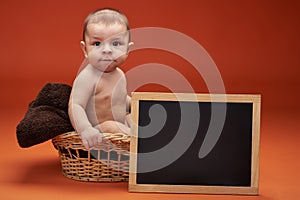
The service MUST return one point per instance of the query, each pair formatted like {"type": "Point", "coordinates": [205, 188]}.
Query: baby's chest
{"type": "Point", "coordinates": [111, 86]}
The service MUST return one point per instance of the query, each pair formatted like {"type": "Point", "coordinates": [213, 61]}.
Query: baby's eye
{"type": "Point", "coordinates": [116, 43]}
{"type": "Point", "coordinates": [96, 43]}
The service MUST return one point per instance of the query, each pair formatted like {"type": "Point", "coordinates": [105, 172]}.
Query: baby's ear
{"type": "Point", "coordinates": [83, 47]}
{"type": "Point", "coordinates": [130, 44]}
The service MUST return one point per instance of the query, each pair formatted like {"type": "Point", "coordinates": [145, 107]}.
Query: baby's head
{"type": "Point", "coordinates": [107, 16]}
{"type": "Point", "coordinates": [106, 39]}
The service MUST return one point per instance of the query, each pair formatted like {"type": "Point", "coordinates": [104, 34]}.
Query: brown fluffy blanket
{"type": "Point", "coordinates": [46, 117]}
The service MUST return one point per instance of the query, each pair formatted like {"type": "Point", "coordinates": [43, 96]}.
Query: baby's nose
{"type": "Point", "coordinates": [106, 48]}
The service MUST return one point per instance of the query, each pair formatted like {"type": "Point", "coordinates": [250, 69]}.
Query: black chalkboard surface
{"type": "Point", "coordinates": [173, 131]}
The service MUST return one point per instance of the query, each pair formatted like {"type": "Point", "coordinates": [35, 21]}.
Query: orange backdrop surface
{"type": "Point", "coordinates": [254, 43]}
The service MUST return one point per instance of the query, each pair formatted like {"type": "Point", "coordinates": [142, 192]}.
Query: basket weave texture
{"type": "Point", "coordinates": [108, 162]}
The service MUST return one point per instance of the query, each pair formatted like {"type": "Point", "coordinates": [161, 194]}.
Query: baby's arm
{"type": "Point", "coordinates": [128, 104]}
{"type": "Point", "coordinates": [128, 121]}
{"type": "Point", "coordinates": [83, 89]}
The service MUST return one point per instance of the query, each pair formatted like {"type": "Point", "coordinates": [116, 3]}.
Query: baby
{"type": "Point", "coordinates": [99, 102]}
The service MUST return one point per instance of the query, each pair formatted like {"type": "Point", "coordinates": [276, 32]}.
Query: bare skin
{"type": "Point", "coordinates": [99, 97]}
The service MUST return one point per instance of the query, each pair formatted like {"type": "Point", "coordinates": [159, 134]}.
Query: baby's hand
{"type": "Point", "coordinates": [91, 137]}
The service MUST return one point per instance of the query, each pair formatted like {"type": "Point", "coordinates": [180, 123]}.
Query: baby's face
{"type": "Point", "coordinates": [106, 46]}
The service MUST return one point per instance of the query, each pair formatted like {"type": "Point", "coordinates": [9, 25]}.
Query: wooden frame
{"type": "Point", "coordinates": [252, 189]}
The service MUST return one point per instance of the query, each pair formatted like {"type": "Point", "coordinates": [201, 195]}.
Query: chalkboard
{"type": "Point", "coordinates": [195, 143]}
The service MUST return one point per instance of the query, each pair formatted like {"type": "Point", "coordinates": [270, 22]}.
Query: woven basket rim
{"type": "Point", "coordinates": [73, 139]}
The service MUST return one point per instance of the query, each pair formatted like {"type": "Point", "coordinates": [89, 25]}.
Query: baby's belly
{"type": "Point", "coordinates": [105, 109]}
{"type": "Point", "coordinates": [116, 113]}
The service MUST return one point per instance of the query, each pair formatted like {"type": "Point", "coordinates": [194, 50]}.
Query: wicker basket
{"type": "Point", "coordinates": [108, 163]}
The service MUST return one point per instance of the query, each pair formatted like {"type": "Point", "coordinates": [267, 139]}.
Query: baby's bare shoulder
{"type": "Point", "coordinates": [88, 74]}
{"type": "Point", "coordinates": [86, 80]}
{"type": "Point", "coordinates": [120, 71]}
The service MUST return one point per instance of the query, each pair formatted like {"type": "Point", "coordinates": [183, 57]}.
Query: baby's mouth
{"type": "Point", "coordinates": [106, 60]}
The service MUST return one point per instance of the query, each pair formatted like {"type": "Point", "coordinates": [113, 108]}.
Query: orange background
{"type": "Point", "coordinates": [254, 43]}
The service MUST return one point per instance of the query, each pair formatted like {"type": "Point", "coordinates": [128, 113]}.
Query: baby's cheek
{"type": "Point", "coordinates": [120, 52]}
{"type": "Point", "coordinates": [121, 58]}
{"type": "Point", "coordinates": [93, 58]}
